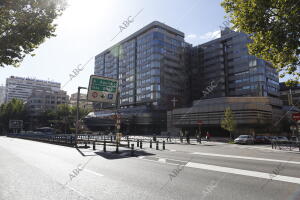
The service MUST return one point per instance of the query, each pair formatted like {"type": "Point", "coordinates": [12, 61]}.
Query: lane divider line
{"type": "Point", "coordinates": [92, 172]}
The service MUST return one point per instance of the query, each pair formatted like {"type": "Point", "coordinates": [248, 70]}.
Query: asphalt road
{"type": "Point", "coordinates": [33, 170]}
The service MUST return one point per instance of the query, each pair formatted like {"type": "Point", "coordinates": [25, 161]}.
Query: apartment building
{"type": "Point", "coordinates": [21, 88]}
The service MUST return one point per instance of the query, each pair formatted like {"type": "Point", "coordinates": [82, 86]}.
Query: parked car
{"type": "Point", "coordinates": [282, 139]}
{"type": "Point", "coordinates": [244, 139]}
{"type": "Point", "coordinates": [294, 139]}
{"type": "Point", "coordinates": [260, 139]}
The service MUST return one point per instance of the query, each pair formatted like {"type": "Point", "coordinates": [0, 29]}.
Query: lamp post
{"type": "Point", "coordinates": [77, 113]}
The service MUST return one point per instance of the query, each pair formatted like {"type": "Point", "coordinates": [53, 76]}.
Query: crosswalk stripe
{"type": "Point", "coordinates": [247, 158]}
{"type": "Point", "coordinates": [243, 172]}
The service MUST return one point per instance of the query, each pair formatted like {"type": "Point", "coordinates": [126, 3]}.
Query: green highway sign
{"type": "Point", "coordinates": [102, 89]}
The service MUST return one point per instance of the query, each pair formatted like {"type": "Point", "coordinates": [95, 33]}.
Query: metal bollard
{"type": "Point", "coordinates": [141, 144]}
{"type": "Point", "coordinates": [157, 148]}
{"type": "Point", "coordinates": [110, 138]}
{"type": "Point", "coordinates": [138, 143]}
{"type": "Point", "coordinates": [151, 144]}
{"type": "Point", "coordinates": [132, 149]}
{"type": "Point", "coordinates": [94, 145]}
{"type": "Point", "coordinates": [164, 145]}
{"type": "Point", "coordinates": [117, 147]}
{"type": "Point", "coordinates": [128, 144]}
{"type": "Point", "coordinates": [104, 146]}
{"type": "Point", "coordinates": [85, 145]}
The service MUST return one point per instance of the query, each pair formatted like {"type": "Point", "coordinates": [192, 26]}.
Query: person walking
{"type": "Point", "coordinates": [181, 136]}
{"type": "Point", "coordinates": [207, 136]}
{"type": "Point", "coordinates": [187, 137]}
{"type": "Point", "coordinates": [169, 136]}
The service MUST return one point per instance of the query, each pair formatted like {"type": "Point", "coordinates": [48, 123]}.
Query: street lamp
{"type": "Point", "coordinates": [77, 113]}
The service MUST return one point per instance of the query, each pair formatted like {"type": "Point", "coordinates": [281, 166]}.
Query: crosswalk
{"type": "Point", "coordinates": [228, 170]}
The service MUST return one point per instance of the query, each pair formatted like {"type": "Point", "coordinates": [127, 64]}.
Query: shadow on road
{"type": "Point", "coordinates": [123, 154]}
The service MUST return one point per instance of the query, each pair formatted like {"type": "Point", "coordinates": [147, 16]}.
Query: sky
{"type": "Point", "coordinates": [88, 27]}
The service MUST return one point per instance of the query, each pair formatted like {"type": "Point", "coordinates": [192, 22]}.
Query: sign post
{"type": "Point", "coordinates": [105, 90]}
{"type": "Point", "coordinates": [16, 125]}
{"type": "Point", "coordinates": [102, 89]}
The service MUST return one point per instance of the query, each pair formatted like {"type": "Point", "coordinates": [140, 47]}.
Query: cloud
{"type": "Point", "coordinates": [210, 35]}
{"type": "Point", "coordinates": [191, 36]}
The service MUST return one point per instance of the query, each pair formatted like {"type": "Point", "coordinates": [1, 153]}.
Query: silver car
{"type": "Point", "coordinates": [244, 139]}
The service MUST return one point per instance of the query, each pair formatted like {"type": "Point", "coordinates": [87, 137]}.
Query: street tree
{"type": "Point", "coordinates": [24, 25]}
{"type": "Point", "coordinates": [274, 28]}
{"type": "Point", "coordinates": [228, 123]}
{"type": "Point", "coordinates": [13, 110]}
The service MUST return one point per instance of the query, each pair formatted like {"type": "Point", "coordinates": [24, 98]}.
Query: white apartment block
{"type": "Point", "coordinates": [21, 88]}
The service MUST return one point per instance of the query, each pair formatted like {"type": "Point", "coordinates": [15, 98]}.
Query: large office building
{"type": "Point", "coordinates": [151, 70]}
{"type": "Point", "coordinates": [225, 65]}
{"type": "Point", "coordinates": [223, 74]}
{"type": "Point", "coordinates": [21, 88]}
{"type": "Point", "coordinates": [163, 80]}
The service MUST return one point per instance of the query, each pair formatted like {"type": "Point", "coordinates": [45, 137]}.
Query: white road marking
{"type": "Point", "coordinates": [172, 150]}
{"type": "Point", "coordinates": [79, 193]}
{"type": "Point", "coordinates": [246, 158]}
{"type": "Point", "coordinates": [243, 172]}
{"type": "Point", "coordinates": [92, 172]}
{"type": "Point", "coordinates": [163, 160]}
{"type": "Point", "coordinates": [141, 157]}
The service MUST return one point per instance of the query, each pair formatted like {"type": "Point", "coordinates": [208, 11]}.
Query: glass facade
{"type": "Point", "coordinates": [226, 60]}
{"type": "Point", "coordinates": [144, 63]}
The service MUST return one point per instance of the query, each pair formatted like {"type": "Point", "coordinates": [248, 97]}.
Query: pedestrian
{"type": "Point", "coordinates": [200, 137]}
{"type": "Point", "coordinates": [181, 135]}
{"type": "Point", "coordinates": [207, 136]}
{"type": "Point", "coordinates": [169, 136]}
{"type": "Point", "coordinates": [154, 138]}
{"type": "Point", "coordinates": [187, 137]}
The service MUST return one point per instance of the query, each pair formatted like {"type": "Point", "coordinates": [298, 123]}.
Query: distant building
{"type": "Point", "coordinates": [290, 95]}
{"type": "Point", "coordinates": [42, 99]}
{"type": "Point", "coordinates": [2, 94]}
{"type": "Point", "coordinates": [21, 88]}
{"type": "Point", "coordinates": [83, 103]}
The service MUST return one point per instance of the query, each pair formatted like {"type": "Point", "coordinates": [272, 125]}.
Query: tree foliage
{"type": "Point", "coordinates": [273, 26]}
{"type": "Point", "coordinates": [63, 118]}
{"type": "Point", "coordinates": [24, 25]}
{"type": "Point", "coordinates": [228, 123]}
{"type": "Point", "coordinates": [13, 110]}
